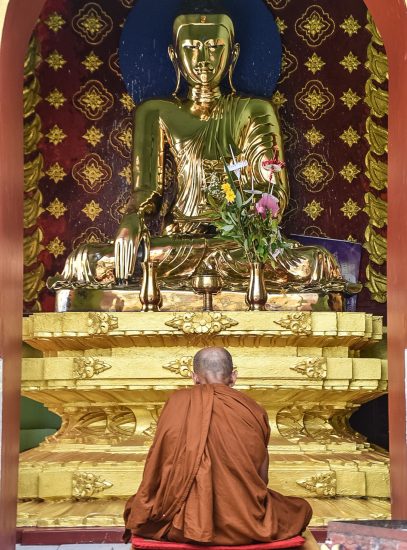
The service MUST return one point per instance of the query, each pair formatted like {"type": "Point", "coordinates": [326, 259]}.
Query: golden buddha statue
{"type": "Point", "coordinates": [197, 132]}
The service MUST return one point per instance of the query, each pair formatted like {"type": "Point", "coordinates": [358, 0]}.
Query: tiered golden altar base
{"type": "Point", "coordinates": [108, 374]}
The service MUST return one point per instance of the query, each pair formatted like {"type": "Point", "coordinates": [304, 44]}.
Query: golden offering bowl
{"type": "Point", "coordinates": [207, 283]}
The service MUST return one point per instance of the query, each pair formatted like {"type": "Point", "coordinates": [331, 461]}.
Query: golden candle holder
{"type": "Point", "coordinates": [207, 283]}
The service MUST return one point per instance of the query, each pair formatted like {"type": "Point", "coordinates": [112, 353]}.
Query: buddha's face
{"type": "Point", "coordinates": [203, 52]}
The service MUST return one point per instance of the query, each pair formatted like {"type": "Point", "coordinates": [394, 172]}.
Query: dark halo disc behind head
{"type": "Point", "coordinates": [147, 70]}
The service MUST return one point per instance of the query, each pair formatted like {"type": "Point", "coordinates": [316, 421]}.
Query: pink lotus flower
{"type": "Point", "coordinates": [267, 203]}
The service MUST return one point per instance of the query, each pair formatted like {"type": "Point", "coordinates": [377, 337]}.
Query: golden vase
{"type": "Point", "coordinates": [256, 295]}
{"type": "Point", "coordinates": [150, 296]}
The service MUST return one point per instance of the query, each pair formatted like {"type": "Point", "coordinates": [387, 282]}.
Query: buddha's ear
{"type": "Point", "coordinates": [235, 53]}
{"type": "Point", "coordinates": [235, 57]}
{"type": "Point", "coordinates": [173, 56]}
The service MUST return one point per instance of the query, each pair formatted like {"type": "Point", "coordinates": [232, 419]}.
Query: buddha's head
{"type": "Point", "coordinates": [204, 47]}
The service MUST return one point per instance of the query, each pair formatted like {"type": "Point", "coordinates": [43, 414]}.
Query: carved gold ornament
{"type": "Point", "coordinates": [377, 98]}
{"type": "Point", "coordinates": [55, 22]}
{"type": "Point", "coordinates": [314, 26]}
{"type": "Point", "coordinates": [376, 170]}
{"type": "Point", "coordinates": [56, 172]}
{"type": "Point", "coordinates": [376, 245]}
{"type": "Point", "coordinates": [314, 63]}
{"type": "Point", "coordinates": [377, 137]}
{"type": "Point", "coordinates": [102, 323]}
{"type": "Point", "coordinates": [92, 173]}
{"type": "Point", "coordinates": [56, 247]}
{"type": "Point", "coordinates": [350, 26]}
{"type": "Point", "coordinates": [313, 368]}
{"type": "Point", "coordinates": [33, 171]}
{"type": "Point", "coordinates": [127, 101]}
{"type": "Point", "coordinates": [87, 367]}
{"type": "Point", "coordinates": [377, 284]}
{"type": "Point", "coordinates": [313, 210]}
{"type": "Point", "coordinates": [126, 173]}
{"type": "Point", "coordinates": [350, 62]}
{"type": "Point", "coordinates": [314, 136]}
{"type": "Point", "coordinates": [279, 99]}
{"type": "Point", "coordinates": [93, 100]}
{"type": "Point", "coordinates": [350, 136]}
{"type": "Point", "coordinates": [281, 25]}
{"type": "Point", "coordinates": [93, 135]}
{"type": "Point", "coordinates": [55, 60]}
{"type": "Point", "coordinates": [350, 209]}
{"type": "Point", "coordinates": [92, 210]}
{"type": "Point", "coordinates": [377, 64]}
{"type": "Point", "coordinates": [56, 208]}
{"type": "Point", "coordinates": [182, 367]}
{"type": "Point", "coordinates": [349, 172]}
{"type": "Point", "coordinates": [56, 135]}
{"type": "Point", "coordinates": [290, 423]}
{"type": "Point", "coordinates": [376, 209]}
{"type": "Point", "coordinates": [92, 23]}
{"type": "Point", "coordinates": [289, 64]}
{"type": "Point", "coordinates": [87, 484]}
{"type": "Point", "coordinates": [56, 99]}
{"type": "Point", "coordinates": [92, 62]}
{"type": "Point", "coordinates": [201, 323]}
{"type": "Point", "coordinates": [314, 100]}
{"type": "Point", "coordinates": [323, 485]}
{"type": "Point", "coordinates": [350, 99]}
{"type": "Point", "coordinates": [121, 138]}
{"type": "Point", "coordinates": [351, 239]}
{"type": "Point", "coordinates": [297, 323]}
{"type": "Point", "coordinates": [314, 172]}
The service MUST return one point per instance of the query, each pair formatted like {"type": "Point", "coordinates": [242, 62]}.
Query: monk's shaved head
{"type": "Point", "coordinates": [214, 366]}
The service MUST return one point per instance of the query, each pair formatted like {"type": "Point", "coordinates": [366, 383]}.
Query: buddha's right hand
{"type": "Point", "coordinates": [125, 248]}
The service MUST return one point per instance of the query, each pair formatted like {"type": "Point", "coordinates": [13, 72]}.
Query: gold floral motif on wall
{"type": "Point", "coordinates": [114, 63]}
{"type": "Point", "coordinates": [278, 4]}
{"type": "Point", "coordinates": [314, 100]}
{"type": "Point", "coordinates": [118, 208]}
{"type": "Point", "coordinates": [93, 100]}
{"type": "Point", "coordinates": [92, 173]}
{"type": "Point", "coordinates": [121, 138]}
{"type": "Point", "coordinates": [289, 64]}
{"type": "Point", "coordinates": [314, 172]}
{"type": "Point", "coordinates": [55, 22]}
{"type": "Point", "coordinates": [92, 62]}
{"type": "Point", "coordinates": [92, 23]}
{"type": "Point", "coordinates": [315, 63]}
{"type": "Point", "coordinates": [314, 26]}
{"type": "Point", "coordinates": [350, 25]}
{"type": "Point", "coordinates": [55, 60]}
{"type": "Point", "coordinates": [90, 235]}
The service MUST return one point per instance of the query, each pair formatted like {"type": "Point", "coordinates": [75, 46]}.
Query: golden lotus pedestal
{"type": "Point", "coordinates": [108, 374]}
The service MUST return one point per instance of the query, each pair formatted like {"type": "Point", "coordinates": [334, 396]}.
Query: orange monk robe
{"type": "Point", "coordinates": [202, 479]}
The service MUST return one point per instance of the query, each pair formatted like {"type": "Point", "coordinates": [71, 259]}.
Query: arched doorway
{"type": "Point", "coordinates": [19, 19]}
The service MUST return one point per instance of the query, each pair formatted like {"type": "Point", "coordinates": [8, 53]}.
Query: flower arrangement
{"type": "Point", "coordinates": [251, 221]}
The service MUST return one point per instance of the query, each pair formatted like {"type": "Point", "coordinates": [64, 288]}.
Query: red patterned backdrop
{"type": "Point", "coordinates": [332, 99]}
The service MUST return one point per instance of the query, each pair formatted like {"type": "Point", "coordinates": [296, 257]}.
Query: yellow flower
{"type": "Point", "coordinates": [229, 193]}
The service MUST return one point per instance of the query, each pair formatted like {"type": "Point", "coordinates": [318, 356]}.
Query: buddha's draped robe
{"type": "Point", "coordinates": [202, 479]}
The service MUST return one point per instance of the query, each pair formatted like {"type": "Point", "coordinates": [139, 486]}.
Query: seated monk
{"type": "Point", "coordinates": [206, 474]}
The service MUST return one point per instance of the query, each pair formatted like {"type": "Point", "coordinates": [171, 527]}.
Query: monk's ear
{"type": "Point", "coordinates": [233, 378]}
{"type": "Point", "coordinates": [195, 378]}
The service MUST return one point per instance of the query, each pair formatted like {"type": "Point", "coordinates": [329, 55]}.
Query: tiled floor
{"type": "Point", "coordinates": [108, 546]}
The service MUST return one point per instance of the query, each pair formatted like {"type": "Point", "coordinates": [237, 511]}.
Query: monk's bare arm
{"type": "Point", "coordinates": [264, 470]}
